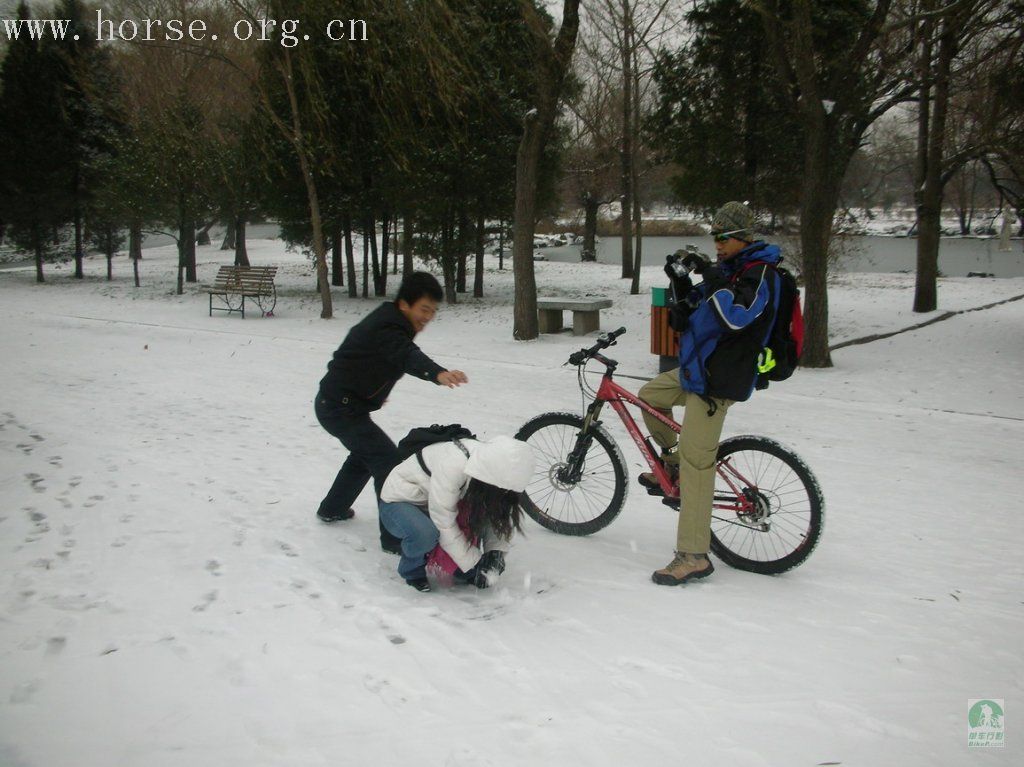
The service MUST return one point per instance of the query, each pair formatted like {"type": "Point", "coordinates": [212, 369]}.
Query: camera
{"type": "Point", "coordinates": [684, 261]}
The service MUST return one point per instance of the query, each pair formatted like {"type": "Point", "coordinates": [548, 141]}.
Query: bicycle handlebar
{"type": "Point", "coordinates": [603, 342]}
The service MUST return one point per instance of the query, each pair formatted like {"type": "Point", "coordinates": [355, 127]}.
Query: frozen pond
{"type": "Point", "coordinates": [863, 253]}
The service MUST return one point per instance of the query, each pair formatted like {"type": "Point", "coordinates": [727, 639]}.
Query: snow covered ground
{"type": "Point", "coordinates": [169, 598]}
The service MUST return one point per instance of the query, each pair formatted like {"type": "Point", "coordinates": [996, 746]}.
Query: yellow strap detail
{"type": "Point", "coordinates": [765, 360]}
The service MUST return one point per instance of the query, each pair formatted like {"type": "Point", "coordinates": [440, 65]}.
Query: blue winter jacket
{"type": "Point", "coordinates": [718, 350]}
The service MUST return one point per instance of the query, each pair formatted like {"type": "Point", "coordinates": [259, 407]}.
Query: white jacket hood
{"type": "Point", "coordinates": [503, 462]}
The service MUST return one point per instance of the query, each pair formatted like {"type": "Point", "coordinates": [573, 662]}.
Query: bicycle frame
{"type": "Point", "coordinates": [742, 501]}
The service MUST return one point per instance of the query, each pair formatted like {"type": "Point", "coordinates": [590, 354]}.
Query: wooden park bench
{"type": "Point", "coordinates": [234, 284]}
{"type": "Point", "coordinates": [586, 314]}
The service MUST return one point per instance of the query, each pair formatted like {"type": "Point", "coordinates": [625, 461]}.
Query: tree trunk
{"type": "Point", "coordinates": [385, 228]}
{"type": "Point", "coordinates": [337, 260]}
{"type": "Point", "coordinates": [312, 196]}
{"type": "Point", "coordinates": [79, 226]}
{"type": "Point", "coordinates": [553, 63]}
{"type": "Point", "coordinates": [448, 261]}
{"type": "Point", "coordinates": [350, 255]}
{"type": "Point", "coordinates": [180, 287]}
{"type": "Point", "coordinates": [135, 240]}
{"type": "Point", "coordinates": [634, 287]}
{"type": "Point", "coordinates": [501, 244]}
{"type": "Point", "coordinates": [407, 232]}
{"type": "Point", "coordinates": [394, 245]}
{"type": "Point", "coordinates": [186, 244]}
{"type": "Point", "coordinates": [109, 247]}
{"type": "Point", "coordinates": [817, 207]}
{"type": "Point", "coordinates": [461, 256]}
{"type": "Point", "coordinates": [525, 327]}
{"type": "Point", "coordinates": [241, 252]}
{"type": "Point", "coordinates": [366, 264]}
{"type": "Point", "coordinates": [929, 209]}
{"type": "Point", "coordinates": [478, 273]}
{"type": "Point", "coordinates": [38, 240]}
{"type": "Point", "coordinates": [378, 268]}
{"type": "Point", "coordinates": [135, 247]}
{"type": "Point", "coordinates": [626, 148]}
{"type": "Point", "coordinates": [229, 235]}
{"type": "Point", "coordinates": [590, 209]}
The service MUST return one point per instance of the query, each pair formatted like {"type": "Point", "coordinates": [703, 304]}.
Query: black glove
{"type": "Point", "coordinates": [696, 263]}
{"type": "Point", "coordinates": [679, 317]}
{"type": "Point", "coordinates": [490, 566]}
{"type": "Point", "coordinates": [714, 279]}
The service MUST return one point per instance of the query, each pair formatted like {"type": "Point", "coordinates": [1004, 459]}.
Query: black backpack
{"type": "Point", "coordinates": [424, 436]}
{"type": "Point", "coordinates": [781, 354]}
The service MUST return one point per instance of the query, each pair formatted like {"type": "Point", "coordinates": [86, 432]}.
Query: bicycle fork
{"type": "Point", "coordinates": [572, 471]}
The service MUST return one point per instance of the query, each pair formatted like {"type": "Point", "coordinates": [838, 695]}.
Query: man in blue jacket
{"type": "Point", "coordinates": [377, 352]}
{"type": "Point", "coordinates": [724, 323]}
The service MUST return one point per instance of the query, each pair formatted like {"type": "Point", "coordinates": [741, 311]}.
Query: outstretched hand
{"type": "Point", "coordinates": [452, 378]}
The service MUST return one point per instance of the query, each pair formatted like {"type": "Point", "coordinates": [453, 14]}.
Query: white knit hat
{"type": "Point", "coordinates": [503, 462]}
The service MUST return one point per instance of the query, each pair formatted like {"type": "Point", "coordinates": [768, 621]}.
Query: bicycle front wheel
{"type": "Point", "coordinates": [768, 506]}
{"type": "Point", "coordinates": [579, 484]}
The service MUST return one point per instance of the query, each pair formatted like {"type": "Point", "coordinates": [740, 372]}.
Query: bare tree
{"type": "Point", "coordinates": [628, 30]}
{"type": "Point", "coordinates": [958, 43]}
{"type": "Point", "coordinates": [842, 72]}
{"type": "Point", "coordinates": [552, 64]}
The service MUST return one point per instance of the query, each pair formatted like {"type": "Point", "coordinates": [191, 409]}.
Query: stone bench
{"type": "Point", "coordinates": [586, 314]}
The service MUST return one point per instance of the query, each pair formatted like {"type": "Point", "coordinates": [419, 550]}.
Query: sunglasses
{"type": "Point", "coordinates": [723, 236]}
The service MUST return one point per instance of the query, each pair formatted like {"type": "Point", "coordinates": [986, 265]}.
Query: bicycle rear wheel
{"type": "Point", "coordinates": [768, 507]}
{"type": "Point", "coordinates": [579, 484]}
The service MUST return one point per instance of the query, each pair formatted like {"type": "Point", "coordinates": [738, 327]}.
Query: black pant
{"type": "Point", "coordinates": [371, 453]}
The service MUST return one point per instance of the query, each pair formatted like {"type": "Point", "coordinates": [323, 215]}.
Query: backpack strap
{"type": "Point", "coordinates": [748, 266]}
{"type": "Point", "coordinates": [423, 464]}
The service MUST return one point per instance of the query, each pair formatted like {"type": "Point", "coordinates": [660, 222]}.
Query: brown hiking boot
{"type": "Point", "coordinates": [648, 480]}
{"type": "Point", "coordinates": [685, 567]}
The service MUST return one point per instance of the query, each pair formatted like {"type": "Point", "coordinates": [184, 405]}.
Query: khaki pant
{"type": "Point", "coordinates": [698, 449]}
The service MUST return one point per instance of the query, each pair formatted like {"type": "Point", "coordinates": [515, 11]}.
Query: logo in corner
{"type": "Point", "coordinates": [985, 723]}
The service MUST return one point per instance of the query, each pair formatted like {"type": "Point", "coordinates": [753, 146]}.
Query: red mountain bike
{"type": "Point", "coordinates": [768, 507]}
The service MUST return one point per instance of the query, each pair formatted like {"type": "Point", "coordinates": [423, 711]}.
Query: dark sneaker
{"type": "Point", "coordinates": [392, 546]}
{"type": "Point", "coordinates": [331, 515]}
{"type": "Point", "coordinates": [682, 569]}
{"type": "Point", "coordinates": [420, 584]}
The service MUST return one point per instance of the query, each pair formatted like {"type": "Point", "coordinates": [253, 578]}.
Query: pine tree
{"type": "Point", "coordinates": [35, 200]}
{"type": "Point", "coordinates": [720, 116]}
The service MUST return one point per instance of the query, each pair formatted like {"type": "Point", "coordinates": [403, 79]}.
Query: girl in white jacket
{"type": "Point", "coordinates": [422, 509]}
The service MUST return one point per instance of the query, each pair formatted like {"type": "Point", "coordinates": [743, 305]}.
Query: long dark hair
{"type": "Point", "coordinates": [494, 507]}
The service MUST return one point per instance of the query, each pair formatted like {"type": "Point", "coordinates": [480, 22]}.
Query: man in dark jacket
{"type": "Point", "coordinates": [725, 323]}
{"type": "Point", "coordinates": [377, 352]}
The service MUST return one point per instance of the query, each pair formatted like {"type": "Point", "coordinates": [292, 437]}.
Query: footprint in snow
{"type": "Point", "coordinates": [208, 599]}
{"type": "Point", "coordinates": [287, 548]}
